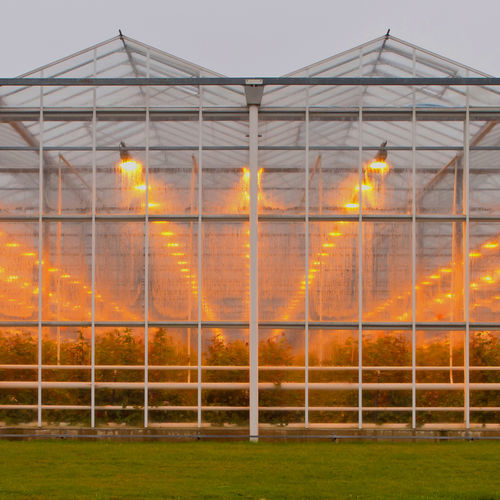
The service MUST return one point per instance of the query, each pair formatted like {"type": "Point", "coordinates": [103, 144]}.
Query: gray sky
{"type": "Point", "coordinates": [247, 38]}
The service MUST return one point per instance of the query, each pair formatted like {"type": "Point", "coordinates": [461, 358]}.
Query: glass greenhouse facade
{"type": "Point", "coordinates": [182, 249]}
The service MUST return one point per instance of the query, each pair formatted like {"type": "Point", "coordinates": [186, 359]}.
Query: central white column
{"type": "Point", "coordinates": [254, 283]}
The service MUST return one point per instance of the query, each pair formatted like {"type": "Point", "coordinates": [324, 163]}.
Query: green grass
{"type": "Point", "coordinates": [70, 469]}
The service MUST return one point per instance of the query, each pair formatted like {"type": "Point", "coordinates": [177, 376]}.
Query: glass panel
{"type": "Point", "coordinates": [118, 96]}
{"type": "Point", "coordinates": [484, 370]}
{"type": "Point", "coordinates": [333, 277]}
{"type": "Point", "coordinates": [323, 132]}
{"type": "Point", "coordinates": [281, 376]}
{"type": "Point", "coordinates": [18, 350]}
{"type": "Point", "coordinates": [119, 271]}
{"type": "Point", "coordinates": [333, 182]}
{"type": "Point", "coordinates": [173, 375]}
{"type": "Point", "coordinates": [439, 289]}
{"type": "Point", "coordinates": [226, 182]}
{"type": "Point", "coordinates": [18, 271]}
{"type": "Point", "coordinates": [225, 268]}
{"type": "Point", "coordinates": [440, 182]}
{"type": "Point", "coordinates": [23, 97]}
{"type": "Point", "coordinates": [73, 134]}
{"type": "Point", "coordinates": [65, 96]}
{"type": "Point", "coordinates": [281, 271]}
{"type": "Point", "coordinates": [19, 170]}
{"type": "Point", "coordinates": [386, 361]}
{"type": "Point", "coordinates": [386, 184]}
{"type": "Point", "coordinates": [333, 360]}
{"type": "Point", "coordinates": [387, 271]}
{"type": "Point", "coordinates": [173, 182]}
{"type": "Point", "coordinates": [485, 180]}
{"type": "Point", "coordinates": [226, 359]}
{"type": "Point", "coordinates": [439, 166]}
{"type": "Point", "coordinates": [386, 171]}
{"type": "Point", "coordinates": [440, 376]}
{"type": "Point", "coordinates": [224, 133]}
{"type": "Point", "coordinates": [66, 271]}
{"type": "Point", "coordinates": [484, 271]}
{"type": "Point", "coordinates": [66, 351]}
{"type": "Point", "coordinates": [281, 181]}
{"type": "Point", "coordinates": [67, 182]}
{"type": "Point", "coordinates": [173, 271]}
{"type": "Point", "coordinates": [120, 184]}
{"type": "Point", "coordinates": [119, 357]}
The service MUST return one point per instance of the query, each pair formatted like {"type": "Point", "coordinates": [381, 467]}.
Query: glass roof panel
{"type": "Point", "coordinates": [382, 57]}
{"type": "Point", "coordinates": [124, 57]}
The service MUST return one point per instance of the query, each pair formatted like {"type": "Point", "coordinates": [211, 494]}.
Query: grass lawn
{"type": "Point", "coordinates": [77, 469]}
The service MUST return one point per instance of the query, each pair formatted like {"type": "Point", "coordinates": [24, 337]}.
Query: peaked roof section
{"type": "Point", "coordinates": [385, 56]}
{"type": "Point", "coordinates": [123, 57]}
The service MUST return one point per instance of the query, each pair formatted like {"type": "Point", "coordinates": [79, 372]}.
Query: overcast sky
{"type": "Point", "coordinates": [248, 38]}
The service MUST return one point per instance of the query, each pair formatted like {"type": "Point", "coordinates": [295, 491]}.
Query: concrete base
{"type": "Point", "coordinates": [265, 434]}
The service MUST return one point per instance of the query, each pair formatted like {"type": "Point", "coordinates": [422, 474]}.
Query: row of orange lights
{"type": "Point", "coordinates": [132, 168]}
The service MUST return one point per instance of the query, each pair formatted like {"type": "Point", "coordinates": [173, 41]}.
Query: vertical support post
{"type": "Point", "coordinates": [253, 110]}
{"type": "Point", "coordinates": [40, 260]}
{"type": "Point", "coordinates": [321, 268]}
{"type": "Point", "coordinates": [92, 265]}
{"type": "Point", "coordinates": [200, 248]}
{"type": "Point", "coordinates": [413, 253]}
{"type": "Point", "coordinates": [306, 257]}
{"type": "Point", "coordinates": [360, 251]}
{"type": "Point", "coordinates": [458, 256]}
{"type": "Point", "coordinates": [466, 259]}
{"type": "Point", "coordinates": [58, 246]}
{"type": "Point", "coordinates": [194, 173]}
{"type": "Point", "coordinates": [360, 273]}
{"type": "Point", "coordinates": [146, 258]}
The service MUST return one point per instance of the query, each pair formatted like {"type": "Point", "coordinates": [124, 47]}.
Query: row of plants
{"type": "Point", "coordinates": [121, 347]}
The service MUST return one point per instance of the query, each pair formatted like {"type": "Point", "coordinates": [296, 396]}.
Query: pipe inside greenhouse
{"type": "Point", "coordinates": [303, 252]}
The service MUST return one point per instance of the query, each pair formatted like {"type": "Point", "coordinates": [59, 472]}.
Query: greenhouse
{"type": "Point", "coordinates": [315, 251]}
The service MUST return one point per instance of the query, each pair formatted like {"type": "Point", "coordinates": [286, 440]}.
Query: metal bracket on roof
{"type": "Point", "coordinates": [254, 89]}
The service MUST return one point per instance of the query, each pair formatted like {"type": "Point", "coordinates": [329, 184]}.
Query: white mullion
{"type": "Point", "coordinates": [306, 256]}
{"type": "Point", "coordinates": [200, 241]}
{"type": "Point", "coordinates": [93, 259]}
{"type": "Point", "coordinates": [360, 254]}
{"type": "Point", "coordinates": [253, 161]}
{"type": "Point", "coordinates": [146, 259]}
{"type": "Point", "coordinates": [40, 260]}
{"type": "Point", "coordinates": [466, 261]}
{"type": "Point", "coordinates": [413, 255]}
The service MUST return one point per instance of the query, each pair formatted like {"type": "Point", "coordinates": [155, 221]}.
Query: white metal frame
{"type": "Point", "coordinates": [305, 114]}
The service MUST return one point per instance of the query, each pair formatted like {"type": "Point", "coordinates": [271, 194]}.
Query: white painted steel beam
{"type": "Point", "coordinates": [253, 162]}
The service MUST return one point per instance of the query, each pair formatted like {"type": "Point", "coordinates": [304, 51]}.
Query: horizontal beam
{"type": "Point", "coordinates": [225, 81]}
{"type": "Point", "coordinates": [239, 218]}
{"type": "Point", "coordinates": [84, 114]}
{"type": "Point", "coordinates": [245, 148]}
{"type": "Point", "coordinates": [246, 408]}
{"type": "Point", "coordinates": [244, 386]}
{"type": "Point", "coordinates": [245, 368]}
{"type": "Point", "coordinates": [313, 325]}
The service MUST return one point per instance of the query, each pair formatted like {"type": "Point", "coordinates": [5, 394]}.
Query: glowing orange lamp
{"type": "Point", "coordinates": [128, 166]}
{"type": "Point", "coordinates": [379, 163]}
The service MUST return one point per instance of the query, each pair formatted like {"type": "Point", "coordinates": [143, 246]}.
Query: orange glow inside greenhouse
{"type": "Point", "coordinates": [181, 255]}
